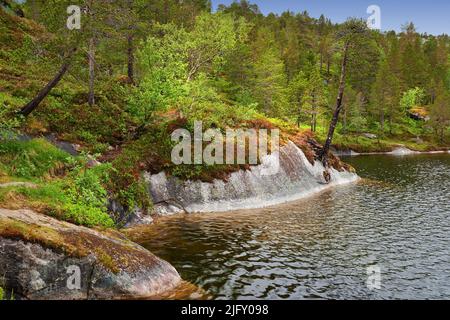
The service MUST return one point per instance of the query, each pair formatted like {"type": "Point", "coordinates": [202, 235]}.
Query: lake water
{"type": "Point", "coordinates": [396, 220]}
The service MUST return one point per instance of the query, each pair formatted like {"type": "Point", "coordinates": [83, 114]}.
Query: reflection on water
{"type": "Point", "coordinates": [321, 247]}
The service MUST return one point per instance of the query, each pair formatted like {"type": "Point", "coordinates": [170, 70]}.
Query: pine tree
{"type": "Point", "coordinates": [270, 78]}
{"type": "Point", "coordinates": [386, 95]}
{"type": "Point", "coordinates": [440, 112]}
{"type": "Point", "coordinates": [315, 95]}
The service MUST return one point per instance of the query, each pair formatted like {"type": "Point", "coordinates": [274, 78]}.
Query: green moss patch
{"type": "Point", "coordinates": [32, 159]}
{"type": "Point", "coordinates": [114, 253]}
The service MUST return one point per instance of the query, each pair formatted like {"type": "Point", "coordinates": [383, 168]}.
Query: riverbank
{"type": "Point", "coordinates": [371, 143]}
{"type": "Point", "coordinates": [398, 151]}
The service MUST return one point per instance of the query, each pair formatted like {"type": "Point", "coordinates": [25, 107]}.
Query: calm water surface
{"type": "Point", "coordinates": [397, 218]}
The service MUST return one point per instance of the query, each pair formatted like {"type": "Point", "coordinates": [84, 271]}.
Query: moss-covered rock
{"type": "Point", "coordinates": [40, 257]}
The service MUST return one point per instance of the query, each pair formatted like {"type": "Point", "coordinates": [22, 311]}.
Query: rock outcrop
{"type": "Point", "coordinates": [43, 258]}
{"type": "Point", "coordinates": [292, 176]}
{"type": "Point", "coordinates": [402, 151]}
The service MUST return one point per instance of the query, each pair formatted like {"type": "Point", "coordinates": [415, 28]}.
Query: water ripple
{"type": "Point", "coordinates": [319, 248]}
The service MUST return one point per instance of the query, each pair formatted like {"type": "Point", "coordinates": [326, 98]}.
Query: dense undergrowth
{"type": "Point", "coordinates": [58, 184]}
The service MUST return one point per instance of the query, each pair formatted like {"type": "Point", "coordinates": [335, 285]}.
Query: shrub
{"type": "Point", "coordinates": [9, 123]}
{"type": "Point", "coordinates": [87, 198]}
{"type": "Point", "coordinates": [79, 198]}
{"type": "Point", "coordinates": [86, 215]}
{"type": "Point", "coordinates": [31, 159]}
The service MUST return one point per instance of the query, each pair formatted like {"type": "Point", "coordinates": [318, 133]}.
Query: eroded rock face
{"type": "Point", "coordinates": [43, 258]}
{"type": "Point", "coordinates": [128, 218]}
{"type": "Point", "coordinates": [402, 151]}
{"type": "Point", "coordinates": [291, 178]}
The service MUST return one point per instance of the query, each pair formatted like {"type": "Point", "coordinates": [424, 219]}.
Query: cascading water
{"type": "Point", "coordinates": [294, 178]}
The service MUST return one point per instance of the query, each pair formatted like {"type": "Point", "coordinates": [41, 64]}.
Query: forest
{"type": "Point", "coordinates": [114, 88]}
{"type": "Point", "coordinates": [91, 92]}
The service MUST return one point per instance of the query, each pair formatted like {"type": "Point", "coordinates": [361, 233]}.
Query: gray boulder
{"type": "Point", "coordinates": [43, 258]}
{"type": "Point", "coordinates": [370, 136]}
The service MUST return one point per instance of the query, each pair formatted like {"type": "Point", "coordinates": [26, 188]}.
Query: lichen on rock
{"type": "Point", "coordinates": [41, 258]}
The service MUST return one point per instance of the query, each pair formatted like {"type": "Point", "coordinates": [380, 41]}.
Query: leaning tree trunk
{"type": "Point", "coordinates": [130, 43]}
{"type": "Point", "coordinates": [33, 104]}
{"type": "Point", "coordinates": [337, 111]}
{"type": "Point", "coordinates": [91, 97]}
{"type": "Point", "coordinates": [130, 39]}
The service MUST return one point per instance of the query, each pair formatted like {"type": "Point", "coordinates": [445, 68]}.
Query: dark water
{"type": "Point", "coordinates": [397, 219]}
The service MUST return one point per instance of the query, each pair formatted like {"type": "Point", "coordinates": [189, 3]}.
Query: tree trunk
{"type": "Point", "coordinates": [130, 43]}
{"type": "Point", "coordinates": [321, 62]}
{"type": "Point", "coordinates": [91, 98]}
{"type": "Point", "coordinates": [390, 123]}
{"type": "Point", "coordinates": [328, 69]}
{"type": "Point", "coordinates": [33, 104]}
{"type": "Point", "coordinates": [314, 113]}
{"type": "Point", "coordinates": [299, 114]}
{"type": "Point", "coordinates": [130, 39]}
{"type": "Point", "coordinates": [382, 121]}
{"type": "Point", "coordinates": [334, 121]}
{"type": "Point", "coordinates": [34, 11]}
{"type": "Point", "coordinates": [344, 121]}
{"type": "Point", "coordinates": [315, 122]}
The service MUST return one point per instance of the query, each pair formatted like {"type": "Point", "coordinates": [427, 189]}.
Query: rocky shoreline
{"type": "Point", "coordinates": [400, 151]}
{"type": "Point", "coordinates": [294, 177]}
{"type": "Point", "coordinates": [44, 258]}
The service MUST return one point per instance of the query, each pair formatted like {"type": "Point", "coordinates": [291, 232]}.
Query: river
{"type": "Point", "coordinates": [329, 246]}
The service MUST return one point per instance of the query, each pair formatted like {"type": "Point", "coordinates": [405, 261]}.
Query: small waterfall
{"type": "Point", "coordinates": [295, 178]}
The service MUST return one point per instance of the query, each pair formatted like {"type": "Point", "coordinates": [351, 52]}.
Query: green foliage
{"type": "Point", "coordinates": [87, 215]}
{"type": "Point", "coordinates": [125, 182]}
{"type": "Point", "coordinates": [412, 98]}
{"type": "Point", "coordinates": [440, 113]}
{"type": "Point", "coordinates": [87, 197]}
{"type": "Point", "coordinates": [270, 88]}
{"type": "Point", "coordinates": [233, 68]}
{"type": "Point", "coordinates": [31, 159]}
{"type": "Point", "coordinates": [162, 62]}
{"type": "Point", "coordinates": [2, 293]}
{"type": "Point", "coordinates": [8, 122]}
{"type": "Point", "coordinates": [80, 198]}
{"type": "Point", "coordinates": [171, 65]}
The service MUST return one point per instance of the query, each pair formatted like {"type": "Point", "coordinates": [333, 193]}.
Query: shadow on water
{"type": "Point", "coordinates": [397, 218]}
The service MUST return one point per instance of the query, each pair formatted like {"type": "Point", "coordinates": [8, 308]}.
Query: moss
{"type": "Point", "coordinates": [47, 237]}
{"type": "Point", "coordinates": [107, 261]}
{"type": "Point", "coordinates": [115, 252]}
{"type": "Point", "coordinates": [79, 198]}
{"type": "Point", "coordinates": [32, 159]}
